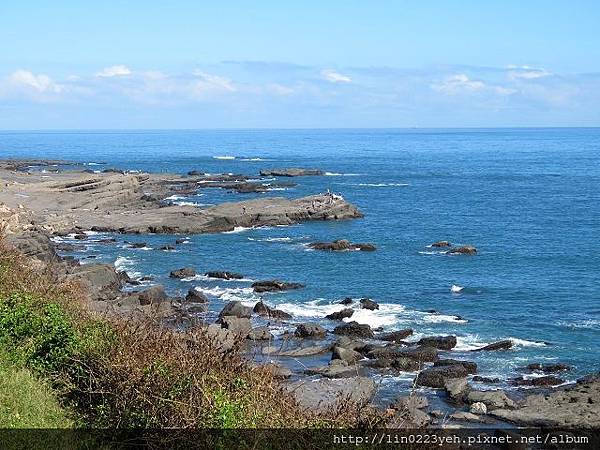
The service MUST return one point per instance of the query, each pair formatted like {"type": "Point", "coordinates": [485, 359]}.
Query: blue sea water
{"type": "Point", "coordinates": [528, 199]}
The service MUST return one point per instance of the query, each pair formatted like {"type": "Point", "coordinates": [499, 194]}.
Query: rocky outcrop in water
{"type": "Point", "coordinates": [342, 245]}
{"type": "Point", "coordinates": [291, 172]}
{"type": "Point", "coordinates": [463, 250]}
{"type": "Point", "coordinates": [224, 275]}
{"type": "Point", "coordinates": [275, 286]}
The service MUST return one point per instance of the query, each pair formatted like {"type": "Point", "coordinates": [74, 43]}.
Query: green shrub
{"type": "Point", "coordinates": [40, 335]}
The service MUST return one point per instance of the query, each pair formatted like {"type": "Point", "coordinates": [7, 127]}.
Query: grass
{"type": "Point", "coordinates": [111, 372]}
{"type": "Point", "coordinates": [26, 401]}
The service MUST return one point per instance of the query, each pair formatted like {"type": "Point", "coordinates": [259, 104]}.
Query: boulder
{"type": "Point", "coordinates": [195, 296]}
{"type": "Point", "coordinates": [186, 272]}
{"type": "Point", "coordinates": [440, 244]}
{"type": "Point", "coordinates": [500, 345]}
{"type": "Point", "coordinates": [352, 344]}
{"type": "Point", "coordinates": [340, 315]}
{"type": "Point", "coordinates": [324, 394]}
{"type": "Point", "coordinates": [439, 342]}
{"type": "Point", "coordinates": [354, 329]}
{"type": "Point", "coordinates": [423, 354]}
{"type": "Point", "coordinates": [236, 309]}
{"type": "Point", "coordinates": [224, 275]}
{"type": "Point", "coordinates": [395, 336]}
{"type": "Point", "coordinates": [470, 366]}
{"type": "Point", "coordinates": [347, 301]}
{"type": "Point", "coordinates": [345, 354]}
{"type": "Point", "coordinates": [310, 330]}
{"type": "Point", "coordinates": [152, 295]}
{"type": "Point", "coordinates": [274, 286]}
{"type": "Point", "coordinates": [336, 370]}
{"type": "Point", "coordinates": [367, 303]}
{"type": "Point", "coordinates": [478, 408]}
{"type": "Point", "coordinates": [492, 399]}
{"type": "Point", "coordinates": [462, 250]}
{"type": "Point", "coordinates": [239, 326]}
{"type": "Point", "coordinates": [260, 334]}
{"type": "Point", "coordinates": [457, 389]}
{"type": "Point", "coordinates": [436, 377]}
{"type": "Point", "coordinates": [99, 281]}
{"type": "Point", "coordinates": [265, 311]}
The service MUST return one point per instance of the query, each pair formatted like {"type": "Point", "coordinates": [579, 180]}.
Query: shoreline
{"type": "Point", "coordinates": [358, 340]}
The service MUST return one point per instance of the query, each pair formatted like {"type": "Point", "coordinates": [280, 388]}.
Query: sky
{"type": "Point", "coordinates": [298, 64]}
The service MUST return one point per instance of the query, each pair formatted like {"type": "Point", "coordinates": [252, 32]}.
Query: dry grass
{"type": "Point", "coordinates": [137, 374]}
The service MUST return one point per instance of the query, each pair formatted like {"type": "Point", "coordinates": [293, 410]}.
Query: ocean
{"type": "Point", "coordinates": [528, 199]}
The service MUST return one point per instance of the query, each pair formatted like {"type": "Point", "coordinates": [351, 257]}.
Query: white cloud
{"type": "Point", "coordinates": [114, 71]}
{"type": "Point", "coordinates": [526, 72]}
{"type": "Point", "coordinates": [206, 82]}
{"type": "Point", "coordinates": [26, 84]}
{"type": "Point", "coordinates": [458, 83]}
{"type": "Point", "coordinates": [335, 77]}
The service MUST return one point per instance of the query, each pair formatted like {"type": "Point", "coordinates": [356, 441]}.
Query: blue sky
{"type": "Point", "coordinates": [274, 64]}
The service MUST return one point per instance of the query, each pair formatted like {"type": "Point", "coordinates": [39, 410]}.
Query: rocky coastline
{"type": "Point", "coordinates": [344, 360]}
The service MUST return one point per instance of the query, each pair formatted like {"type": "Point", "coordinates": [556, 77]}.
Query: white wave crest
{"type": "Point", "coordinates": [224, 157]}
{"type": "Point", "coordinates": [525, 343]}
{"type": "Point", "coordinates": [441, 318]}
{"type": "Point", "coordinates": [456, 289]}
{"type": "Point", "coordinates": [124, 264]}
{"type": "Point", "coordinates": [244, 295]}
{"type": "Point", "coordinates": [381, 184]}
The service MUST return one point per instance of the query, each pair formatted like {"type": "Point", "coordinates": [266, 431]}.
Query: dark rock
{"type": "Point", "coordinates": [436, 377]}
{"type": "Point", "coordinates": [152, 295]}
{"type": "Point", "coordinates": [180, 241]}
{"type": "Point", "coordinates": [275, 286]}
{"type": "Point", "coordinates": [395, 336]}
{"type": "Point", "coordinates": [440, 244]}
{"type": "Point", "coordinates": [354, 329]}
{"type": "Point", "coordinates": [265, 311]}
{"type": "Point", "coordinates": [439, 342]}
{"type": "Point", "coordinates": [500, 345]}
{"type": "Point", "coordinates": [548, 368]}
{"type": "Point", "coordinates": [137, 245]}
{"type": "Point", "coordinates": [147, 278]}
{"type": "Point", "coordinates": [470, 366]}
{"type": "Point", "coordinates": [167, 248]}
{"type": "Point", "coordinates": [195, 173]}
{"type": "Point", "coordinates": [195, 296]}
{"type": "Point", "coordinates": [486, 380]}
{"type": "Point", "coordinates": [347, 301]}
{"type": "Point", "coordinates": [548, 380]}
{"type": "Point", "coordinates": [133, 282]}
{"type": "Point", "coordinates": [186, 272]}
{"type": "Point", "coordinates": [310, 330]}
{"type": "Point", "coordinates": [367, 303]}
{"type": "Point", "coordinates": [236, 309]}
{"type": "Point", "coordinates": [463, 250]}
{"type": "Point", "coordinates": [81, 237]}
{"type": "Point", "coordinates": [341, 245]}
{"type": "Point", "coordinates": [340, 315]}
{"type": "Point", "coordinates": [107, 241]}
{"type": "Point", "coordinates": [423, 354]}
{"type": "Point", "coordinates": [290, 172]}
{"type": "Point", "coordinates": [224, 275]}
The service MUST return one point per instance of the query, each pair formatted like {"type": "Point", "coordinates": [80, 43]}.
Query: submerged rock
{"type": "Point", "coordinates": [367, 303]}
{"type": "Point", "coordinates": [290, 172]}
{"type": "Point", "coordinates": [463, 250]}
{"type": "Point", "coordinates": [342, 245]}
{"type": "Point", "coordinates": [274, 286]}
{"type": "Point", "coordinates": [500, 345]}
{"type": "Point", "coordinates": [340, 315]}
{"type": "Point", "coordinates": [186, 272]}
{"type": "Point", "coordinates": [224, 275]}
